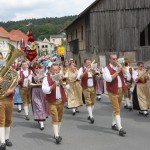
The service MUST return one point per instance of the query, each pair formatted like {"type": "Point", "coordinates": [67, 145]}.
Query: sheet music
{"type": "Point", "coordinates": [94, 66]}
{"type": "Point", "coordinates": [56, 77]}
{"type": "Point", "coordinates": [121, 60]}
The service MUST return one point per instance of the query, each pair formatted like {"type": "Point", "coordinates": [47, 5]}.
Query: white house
{"type": "Point", "coordinates": [57, 39]}
{"type": "Point", "coordinates": [45, 47]}
{"type": "Point", "coordinates": [13, 37]}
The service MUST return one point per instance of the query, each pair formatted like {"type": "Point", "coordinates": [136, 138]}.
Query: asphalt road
{"type": "Point", "coordinates": [79, 134]}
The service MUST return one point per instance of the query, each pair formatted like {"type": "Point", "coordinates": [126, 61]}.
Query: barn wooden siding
{"type": "Point", "coordinates": [112, 25]}
{"type": "Point", "coordinates": [116, 24]}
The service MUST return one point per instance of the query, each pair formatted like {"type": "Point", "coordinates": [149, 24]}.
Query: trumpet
{"type": "Point", "coordinates": [93, 61]}
{"type": "Point", "coordinates": [64, 81]}
{"type": "Point", "coordinates": [97, 73]}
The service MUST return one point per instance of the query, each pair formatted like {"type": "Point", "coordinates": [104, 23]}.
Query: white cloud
{"type": "Point", "coordinates": [27, 9]}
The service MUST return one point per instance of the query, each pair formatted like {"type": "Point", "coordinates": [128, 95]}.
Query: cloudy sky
{"type": "Point", "coordinates": [14, 10]}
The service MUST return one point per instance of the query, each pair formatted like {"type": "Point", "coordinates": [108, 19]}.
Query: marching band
{"type": "Point", "coordinates": [48, 91]}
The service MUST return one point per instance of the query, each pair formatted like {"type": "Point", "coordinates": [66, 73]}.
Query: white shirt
{"type": "Point", "coordinates": [50, 64]}
{"type": "Point", "coordinates": [108, 77]}
{"type": "Point", "coordinates": [90, 80]}
{"type": "Point", "coordinates": [27, 76]}
{"type": "Point", "coordinates": [47, 89]}
{"type": "Point", "coordinates": [128, 77]}
{"type": "Point", "coordinates": [135, 75]}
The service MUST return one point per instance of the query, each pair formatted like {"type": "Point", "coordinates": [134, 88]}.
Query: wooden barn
{"type": "Point", "coordinates": [122, 26]}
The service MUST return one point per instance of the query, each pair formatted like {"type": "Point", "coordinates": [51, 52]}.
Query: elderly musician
{"type": "Point", "coordinates": [55, 96]}
{"type": "Point", "coordinates": [115, 84]}
{"type": "Point", "coordinates": [87, 75]}
{"type": "Point", "coordinates": [24, 77]}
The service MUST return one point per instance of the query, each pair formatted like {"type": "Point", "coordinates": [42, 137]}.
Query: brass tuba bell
{"type": "Point", "coordinates": [8, 74]}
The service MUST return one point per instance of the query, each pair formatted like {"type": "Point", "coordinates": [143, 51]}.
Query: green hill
{"type": "Point", "coordinates": [41, 28]}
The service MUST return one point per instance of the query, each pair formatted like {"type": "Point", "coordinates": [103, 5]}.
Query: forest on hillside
{"type": "Point", "coordinates": [41, 28]}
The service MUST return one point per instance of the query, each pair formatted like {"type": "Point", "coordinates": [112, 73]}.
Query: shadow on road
{"type": "Point", "coordinates": [39, 136]}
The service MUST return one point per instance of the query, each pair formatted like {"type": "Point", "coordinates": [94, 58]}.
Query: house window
{"type": "Point", "coordinates": [46, 46]}
{"type": "Point", "coordinates": [42, 46]}
{"type": "Point", "coordinates": [145, 37]}
{"type": "Point", "coordinates": [81, 32]}
{"type": "Point", "coordinates": [71, 36]}
{"type": "Point", "coordinates": [142, 38]}
{"type": "Point", "coordinates": [76, 33]}
{"type": "Point", "coordinates": [74, 46]}
{"type": "Point", "coordinates": [149, 34]}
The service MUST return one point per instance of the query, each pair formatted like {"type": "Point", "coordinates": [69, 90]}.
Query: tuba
{"type": "Point", "coordinates": [8, 74]}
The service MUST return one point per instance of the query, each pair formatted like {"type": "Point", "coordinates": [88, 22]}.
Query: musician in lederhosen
{"type": "Point", "coordinates": [6, 107]}
{"type": "Point", "coordinates": [115, 84]}
{"type": "Point", "coordinates": [141, 93]}
{"type": "Point", "coordinates": [129, 81]}
{"type": "Point", "coordinates": [99, 83]}
{"type": "Point", "coordinates": [88, 83]}
{"type": "Point", "coordinates": [56, 97]}
{"type": "Point", "coordinates": [24, 77]}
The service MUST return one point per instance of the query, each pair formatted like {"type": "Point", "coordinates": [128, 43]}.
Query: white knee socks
{"type": "Point", "coordinates": [55, 129]}
{"type": "Point", "coordinates": [89, 109]}
{"type": "Point", "coordinates": [26, 110]}
{"type": "Point", "coordinates": [41, 124]}
{"type": "Point", "coordinates": [113, 120]}
{"type": "Point", "coordinates": [118, 121]}
{"type": "Point", "coordinates": [127, 100]}
{"type": "Point", "coordinates": [7, 132]}
{"type": "Point", "coordinates": [19, 107]}
{"type": "Point", "coordinates": [2, 135]}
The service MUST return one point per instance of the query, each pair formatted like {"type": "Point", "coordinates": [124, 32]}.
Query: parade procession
{"type": "Point", "coordinates": [77, 82]}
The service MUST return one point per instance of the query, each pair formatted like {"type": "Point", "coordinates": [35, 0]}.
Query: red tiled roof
{"type": "Point", "coordinates": [18, 35]}
{"type": "Point", "coordinates": [4, 33]}
{"type": "Point", "coordinates": [14, 35]}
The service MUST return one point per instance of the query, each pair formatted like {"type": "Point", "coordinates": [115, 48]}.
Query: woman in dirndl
{"type": "Point", "coordinates": [74, 93]}
{"type": "Point", "coordinates": [141, 92]}
{"type": "Point", "coordinates": [39, 104]}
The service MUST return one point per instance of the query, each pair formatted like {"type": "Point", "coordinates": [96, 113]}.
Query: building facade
{"type": "Point", "coordinates": [45, 47]}
{"type": "Point", "coordinates": [13, 37]}
{"type": "Point", "coordinates": [57, 40]}
{"type": "Point", "coordinates": [122, 26]}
